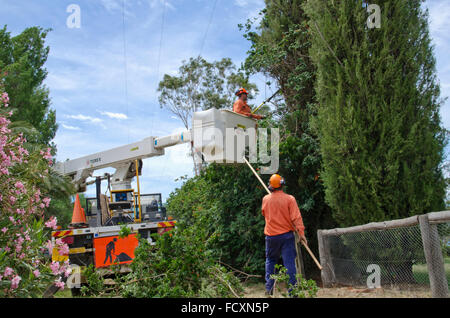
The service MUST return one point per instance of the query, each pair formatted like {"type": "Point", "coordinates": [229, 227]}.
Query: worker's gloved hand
{"type": "Point", "coordinates": [303, 239]}
{"type": "Point", "coordinates": [257, 116]}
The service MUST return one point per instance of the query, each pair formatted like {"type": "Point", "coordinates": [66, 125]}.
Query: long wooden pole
{"type": "Point", "coordinates": [267, 189]}
{"type": "Point", "coordinates": [266, 101]}
{"type": "Point", "coordinates": [257, 175]}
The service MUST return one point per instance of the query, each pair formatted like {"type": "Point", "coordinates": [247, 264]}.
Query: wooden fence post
{"type": "Point", "coordinates": [433, 256]}
{"type": "Point", "coordinates": [325, 260]}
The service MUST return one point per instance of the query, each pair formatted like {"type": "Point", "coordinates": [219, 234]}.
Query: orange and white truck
{"type": "Point", "coordinates": [217, 135]}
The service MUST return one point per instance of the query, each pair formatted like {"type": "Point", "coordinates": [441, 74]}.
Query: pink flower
{"type": "Point", "coordinates": [63, 249]}
{"type": "Point", "coordinates": [68, 272]}
{"type": "Point", "coordinates": [50, 247]}
{"type": "Point", "coordinates": [5, 98]}
{"type": "Point", "coordinates": [36, 273]}
{"type": "Point", "coordinates": [59, 284]}
{"type": "Point", "coordinates": [15, 282]}
{"type": "Point", "coordinates": [47, 155]}
{"type": "Point", "coordinates": [46, 201]}
{"type": "Point", "coordinates": [20, 211]}
{"type": "Point", "coordinates": [51, 223]}
{"type": "Point", "coordinates": [8, 271]}
{"type": "Point", "coordinates": [20, 240]}
{"type": "Point", "coordinates": [12, 199]}
{"type": "Point", "coordinates": [37, 195]}
{"type": "Point", "coordinates": [19, 185]}
{"type": "Point", "coordinates": [4, 230]}
{"type": "Point", "coordinates": [54, 266]}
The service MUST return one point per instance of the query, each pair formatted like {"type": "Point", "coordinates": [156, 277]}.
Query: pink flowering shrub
{"type": "Point", "coordinates": [25, 266]}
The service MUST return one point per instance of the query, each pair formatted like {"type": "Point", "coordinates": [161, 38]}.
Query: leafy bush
{"type": "Point", "coordinates": [302, 289]}
{"type": "Point", "coordinates": [24, 270]}
{"type": "Point", "coordinates": [180, 264]}
{"type": "Point", "coordinates": [94, 282]}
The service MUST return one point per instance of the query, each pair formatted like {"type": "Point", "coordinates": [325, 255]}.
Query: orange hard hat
{"type": "Point", "coordinates": [241, 91]}
{"type": "Point", "coordinates": [276, 181]}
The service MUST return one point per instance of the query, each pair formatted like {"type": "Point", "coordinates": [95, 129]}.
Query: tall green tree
{"type": "Point", "coordinates": [280, 44]}
{"type": "Point", "coordinates": [22, 60]}
{"type": "Point", "coordinates": [381, 138]}
{"type": "Point", "coordinates": [22, 57]}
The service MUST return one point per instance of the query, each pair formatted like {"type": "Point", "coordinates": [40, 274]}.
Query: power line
{"type": "Point", "coordinates": [159, 59]}
{"type": "Point", "coordinates": [207, 28]}
{"type": "Point", "coordinates": [161, 40]}
{"type": "Point", "coordinates": [125, 63]}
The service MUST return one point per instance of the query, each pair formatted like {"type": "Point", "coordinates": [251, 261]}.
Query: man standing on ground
{"type": "Point", "coordinates": [283, 217]}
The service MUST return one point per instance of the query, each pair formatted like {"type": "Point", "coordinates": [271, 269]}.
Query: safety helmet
{"type": "Point", "coordinates": [276, 181]}
{"type": "Point", "coordinates": [241, 91]}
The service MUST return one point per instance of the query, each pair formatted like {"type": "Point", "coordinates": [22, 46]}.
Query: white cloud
{"type": "Point", "coordinates": [93, 120]}
{"type": "Point", "coordinates": [114, 115]}
{"type": "Point", "coordinates": [62, 81]}
{"type": "Point", "coordinates": [70, 127]}
{"type": "Point", "coordinates": [112, 5]}
{"type": "Point", "coordinates": [154, 3]}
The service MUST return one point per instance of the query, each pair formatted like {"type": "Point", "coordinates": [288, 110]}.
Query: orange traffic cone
{"type": "Point", "coordinates": [78, 217]}
{"type": "Point", "coordinates": [84, 215]}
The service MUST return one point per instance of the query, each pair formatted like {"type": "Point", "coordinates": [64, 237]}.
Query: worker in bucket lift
{"type": "Point", "coordinates": [282, 217]}
{"type": "Point", "coordinates": [241, 107]}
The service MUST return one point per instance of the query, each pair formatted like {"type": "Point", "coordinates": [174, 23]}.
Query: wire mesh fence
{"type": "Point", "coordinates": [410, 254]}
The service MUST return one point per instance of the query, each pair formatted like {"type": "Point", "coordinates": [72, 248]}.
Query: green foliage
{"type": "Point", "coordinates": [94, 282]}
{"type": "Point", "coordinates": [22, 57]}
{"type": "Point", "coordinates": [302, 289]}
{"type": "Point", "coordinates": [227, 199]}
{"type": "Point", "coordinates": [124, 231]}
{"type": "Point", "coordinates": [178, 265]}
{"type": "Point", "coordinates": [378, 115]}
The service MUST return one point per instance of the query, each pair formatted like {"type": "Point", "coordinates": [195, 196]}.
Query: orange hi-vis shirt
{"type": "Point", "coordinates": [242, 107]}
{"type": "Point", "coordinates": [282, 214]}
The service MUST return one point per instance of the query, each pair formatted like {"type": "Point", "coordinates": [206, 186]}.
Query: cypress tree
{"type": "Point", "coordinates": [378, 119]}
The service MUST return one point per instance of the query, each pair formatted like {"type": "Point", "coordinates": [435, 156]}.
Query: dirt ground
{"type": "Point", "coordinates": [257, 291]}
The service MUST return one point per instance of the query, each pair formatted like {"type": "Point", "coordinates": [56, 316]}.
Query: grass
{"type": "Point", "coordinates": [420, 272]}
{"type": "Point", "coordinates": [63, 293]}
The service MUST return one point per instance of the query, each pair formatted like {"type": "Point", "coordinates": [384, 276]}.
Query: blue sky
{"type": "Point", "coordinates": [87, 68]}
